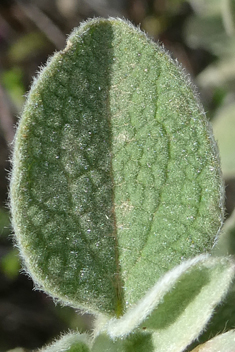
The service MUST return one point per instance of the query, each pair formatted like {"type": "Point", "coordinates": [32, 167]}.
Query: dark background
{"type": "Point", "coordinates": [198, 33]}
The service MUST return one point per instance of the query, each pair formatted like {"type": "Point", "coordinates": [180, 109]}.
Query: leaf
{"type": "Point", "coordinates": [73, 342]}
{"type": "Point", "coordinates": [223, 318]}
{"type": "Point", "coordinates": [105, 344]}
{"type": "Point", "coordinates": [135, 342]}
{"type": "Point", "coordinates": [221, 343]}
{"type": "Point", "coordinates": [224, 129]}
{"type": "Point", "coordinates": [226, 241]}
{"type": "Point", "coordinates": [179, 306]}
{"type": "Point", "coordinates": [116, 177]}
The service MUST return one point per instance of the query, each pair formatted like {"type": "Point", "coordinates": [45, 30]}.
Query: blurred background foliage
{"type": "Point", "coordinates": [199, 33]}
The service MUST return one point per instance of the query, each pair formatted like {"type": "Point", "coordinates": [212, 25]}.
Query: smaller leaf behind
{"type": "Point", "coordinates": [179, 306]}
{"type": "Point", "coordinates": [73, 342]}
{"type": "Point", "coordinates": [224, 129]}
{"type": "Point", "coordinates": [221, 343]}
{"type": "Point", "coordinates": [223, 318]}
{"type": "Point", "coordinates": [138, 341]}
{"type": "Point", "coordinates": [226, 241]}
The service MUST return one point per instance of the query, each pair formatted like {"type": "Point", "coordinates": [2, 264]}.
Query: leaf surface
{"type": "Point", "coordinates": [138, 341]}
{"type": "Point", "coordinates": [73, 342]}
{"type": "Point", "coordinates": [115, 176]}
{"type": "Point", "coordinates": [224, 129]}
{"type": "Point", "coordinates": [221, 343]}
{"type": "Point", "coordinates": [181, 303]}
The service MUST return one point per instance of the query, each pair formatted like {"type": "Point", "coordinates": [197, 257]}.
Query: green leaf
{"type": "Point", "coordinates": [221, 343]}
{"type": "Point", "coordinates": [105, 344]}
{"type": "Point", "coordinates": [223, 318]}
{"type": "Point", "coordinates": [73, 342]}
{"type": "Point", "coordinates": [179, 306]}
{"type": "Point", "coordinates": [138, 341]}
{"type": "Point", "coordinates": [224, 129]}
{"type": "Point", "coordinates": [226, 241]}
{"type": "Point", "coordinates": [116, 177]}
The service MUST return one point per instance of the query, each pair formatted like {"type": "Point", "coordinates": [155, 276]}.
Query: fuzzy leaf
{"type": "Point", "coordinates": [223, 318]}
{"type": "Point", "coordinates": [115, 171]}
{"type": "Point", "coordinates": [224, 129]}
{"type": "Point", "coordinates": [226, 242]}
{"type": "Point", "coordinates": [105, 344]}
{"type": "Point", "coordinates": [138, 341]}
{"type": "Point", "coordinates": [221, 343]}
{"type": "Point", "coordinates": [179, 306]}
{"type": "Point", "coordinates": [73, 342]}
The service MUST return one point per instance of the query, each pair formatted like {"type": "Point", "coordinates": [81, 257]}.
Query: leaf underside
{"type": "Point", "coordinates": [223, 342]}
{"type": "Point", "coordinates": [180, 304]}
{"type": "Point", "coordinates": [115, 171]}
